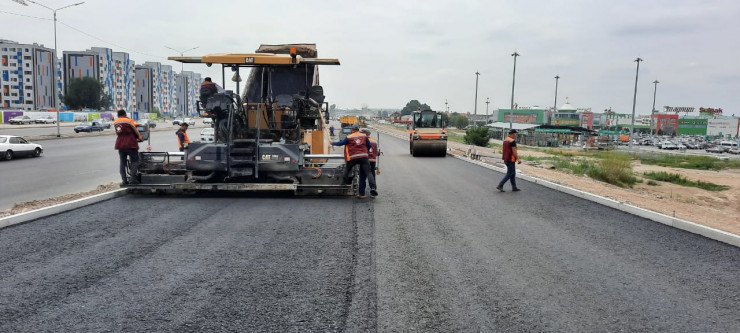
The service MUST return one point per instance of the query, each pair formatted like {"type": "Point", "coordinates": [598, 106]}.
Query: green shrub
{"type": "Point", "coordinates": [688, 161]}
{"type": "Point", "coordinates": [477, 135]}
{"type": "Point", "coordinates": [614, 168]}
{"type": "Point", "coordinates": [652, 183]}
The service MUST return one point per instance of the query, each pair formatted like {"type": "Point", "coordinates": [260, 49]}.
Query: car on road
{"type": "Point", "coordinates": [190, 121]}
{"type": "Point", "coordinates": [13, 146]}
{"type": "Point", "coordinates": [105, 122]}
{"type": "Point", "coordinates": [208, 134]}
{"type": "Point", "coordinates": [176, 121]}
{"type": "Point", "coordinates": [89, 126]}
{"type": "Point", "coordinates": [20, 120]}
{"type": "Point", "coordinates": [147, 122]}
{"type": "Point", "coordinates": [45, 120]}
{"type": "Point", "coordinates": [207, 121]}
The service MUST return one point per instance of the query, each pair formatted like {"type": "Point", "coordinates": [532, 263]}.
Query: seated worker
{"type": "Point", "coordinates": [207, 89]}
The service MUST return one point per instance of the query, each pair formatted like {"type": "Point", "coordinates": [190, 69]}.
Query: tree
{"type": "Point", "coordinates": [458, 121]}
{"type": "Point", "coordinates": [477, 135]}
{"type": "Point", "coordinates": [86, 92]}
{"type": "Point", "coordinates": [412, 106]}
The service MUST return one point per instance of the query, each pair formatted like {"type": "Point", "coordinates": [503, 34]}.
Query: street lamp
{"type": "Point", "coordinates": [555, 107]}
{"type": "Point", "coordinates": [652, 112]}
{"type": "Point", "coordinates": [487, 102]}
{"type": "Point", "coordinates": [184, 80]}
{"type": "Point", "coordinates": [513, 80]}
{"type": "Point", "coordinates": [54, 61]}
{"type": "Point", "coordinates": [447, 108]}
{"type": "Point", "coordinates": [182, 53]}
{"type": "Point", "coordinates": [475, 110]}
{"type": "Point", "coordinates": [634, 101]}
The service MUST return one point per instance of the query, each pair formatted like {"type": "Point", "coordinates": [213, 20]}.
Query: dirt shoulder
{"type": "Point", "coordinates": [719, 210]}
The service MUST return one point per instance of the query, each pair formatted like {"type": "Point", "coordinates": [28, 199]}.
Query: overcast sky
{"type": "Point", "coordinates": [395, 51]}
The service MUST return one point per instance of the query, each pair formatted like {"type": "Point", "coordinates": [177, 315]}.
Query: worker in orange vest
{"type": "Point", "coordinates": [182, 136]}
{"type": "Point", "coordinates": [357, 149]}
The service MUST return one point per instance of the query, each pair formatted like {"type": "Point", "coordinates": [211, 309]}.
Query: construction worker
{"type": "Point", "coordinates": [182, 136]}
{"type": "Point", "coordinates": [511, 157]}
{"type": "Point", "coordinates": [331, 130]}
{"type": "Point", "coordinates": [207, 89]}
{"type": "Point", "coordinates": [357, 149]}
{"type": "Point", "coordinates": [374, 152]}
{"type": "Point", "coordinates": [127, 138]}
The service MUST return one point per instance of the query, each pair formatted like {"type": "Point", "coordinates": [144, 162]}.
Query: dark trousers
{"type": "Point", "coordinates": [133, 157]}
{"type": "Point", "coordinates": [372, 168]}
{"type": "Point", "coordinates": [510, 174]}
{"type": "Point", "coordinates": [365, 174]}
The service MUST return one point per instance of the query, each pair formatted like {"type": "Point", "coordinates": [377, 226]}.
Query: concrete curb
{"type": "Point", "coordinates": [691, 227]}
{"type": "Point", "coordinates": [59, 208]}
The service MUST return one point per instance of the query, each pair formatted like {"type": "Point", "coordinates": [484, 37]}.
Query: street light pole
{"type": "Point", "coordinates": [487, 102]}
{"type": "Point", "coordinates": [447, 108]}
{"type": "Point", "coordinates": [652, 112]}
{"type": "Point", "coordinates": [54, 61]}
{"type": "Point", "coordinates": [555, 106]}
{"type": "Point", "coordinates": [475, 110]}
{"type": "Point", "coordinates": [634, 102]}
{"type": "Point", "coordinates": [513, 80]}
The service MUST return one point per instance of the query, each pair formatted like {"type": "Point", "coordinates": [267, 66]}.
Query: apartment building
{"type": "Point", "coordinates": [26, 76]}
{"type": "Point", "coordinates": [163, 87]}
{"type": "Point", "coordinates": [187, 91]}
{"type": "Point", "coordinates": [115, 70]}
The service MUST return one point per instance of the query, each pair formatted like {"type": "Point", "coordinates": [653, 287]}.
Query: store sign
{"type": "Point", "coordinates": [711, 110]}
{"type": "Point", "coordinates": [678, 109]}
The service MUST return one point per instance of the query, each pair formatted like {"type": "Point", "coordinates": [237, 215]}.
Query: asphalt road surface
{"type": "Point", "coordinates": [71, 165]}
{"type": "Point", "coordinates": [438, 251]}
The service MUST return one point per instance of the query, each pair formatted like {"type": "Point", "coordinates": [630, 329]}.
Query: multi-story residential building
{"type": "Point", "coordinates": [26, 76]}
{"type": "Point", "coordinates": [115, 70]}
{"type": "Point", "coordinates": [144, 89]}
{"type": "Point", "coordinates": [187, 91]}
{"type": "Point", "coordinates": [163, 87]}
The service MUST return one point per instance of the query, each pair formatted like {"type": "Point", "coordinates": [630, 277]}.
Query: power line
{"type": "Point", "coordinates": [33, 17]}
{"type": "Point", "coordinates": [107, 42]}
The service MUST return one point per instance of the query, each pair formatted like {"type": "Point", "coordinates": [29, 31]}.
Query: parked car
{"type": "Point", "coordinates": [715, 150]}
{"type": "Point", "coordinates": [45, 120]}
{"type": "Point", "coordinates": [12, 146]}
{"type": "Point", "coordinates": [176, 121]}
{"type": "Point", "coordinates": [89, 127]}
{"type": "Point", "coordinates": [734, 151]}
{"type": "Point", "coordinates": [207, 120]}
{"type": "Point", "coordinates": [668, 145]}
{"type": "Point", "coordinates": [190, 121]}
{"type": "Point", "coordinates": [144, 131]}
{"type": "Point", "coordinates": [20, 120]}
{"type": "Point", "coordinates": [208, 134]}
{"type": "Point", "coordinates": [105, 122]}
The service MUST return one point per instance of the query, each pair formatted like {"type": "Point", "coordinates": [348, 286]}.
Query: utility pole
{"type": "Point", "coordinates": [475, 110]}
{"type": "Point", "coordinates": [634, 102]}
{"type": "Point", "coordinates": [513, 80]}
{"type": "Point", "coordinates": [447, 107]}
{"type": "Point", "coordinates": [652, 112]}
{"type": "Point", "coordinates": [487, 102]}
{"type": "Point", "coordinates": [184, 79]}
{"type": "Point", "coordinates": [555, 107]}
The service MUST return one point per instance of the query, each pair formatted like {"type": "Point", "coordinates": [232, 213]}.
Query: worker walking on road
{"type": "Point", "coordinates": [511, 157]}
{"type": "Point", "coordinates": [127, 144]}
{"type": "Point", "coordinates": [182, 136]}
{"type": "Point", "coordinates": [357, 149]}
{"type": "Point", "coordinates": [331, 130]}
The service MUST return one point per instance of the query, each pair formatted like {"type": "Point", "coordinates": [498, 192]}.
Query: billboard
{"type": "Point", "coordinates": [521, 118]}
{"type": "Point", "coordinates": [694, 126]}
{"type": "Point", "coordinates": [723, 126]}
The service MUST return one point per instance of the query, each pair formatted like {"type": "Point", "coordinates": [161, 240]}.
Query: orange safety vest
{"type": "Point", "coordinates": [185, 136]}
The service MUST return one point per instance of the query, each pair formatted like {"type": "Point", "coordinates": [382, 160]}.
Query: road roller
{"type": "Point", "coordinates": [428, 136]}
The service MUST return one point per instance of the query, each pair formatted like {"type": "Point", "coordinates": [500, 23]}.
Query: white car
{"type": "Point", "coordinates": [207, 135]}
{"type": "Point", "coordinates": [190, 121]}
{"type": "Point", "coordinates": [668, 145]}
{"type": "Point", "coordinates": [12, 146]}
{"type": "Point", "coordinates": [45, 120]}
{"type": "Point", "coordinates": [207, 120]}
{"type": "Point", "coordinates": [20, 120]}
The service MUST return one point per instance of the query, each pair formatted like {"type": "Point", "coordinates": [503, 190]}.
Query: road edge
{"type": "Point", "coordinates": [695, 228]}
{"type": "Point", "coordinates": [59, 208]}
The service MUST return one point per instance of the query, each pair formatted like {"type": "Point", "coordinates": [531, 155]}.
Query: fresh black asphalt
{"type": "Point", "coordinates": [439, 251]}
